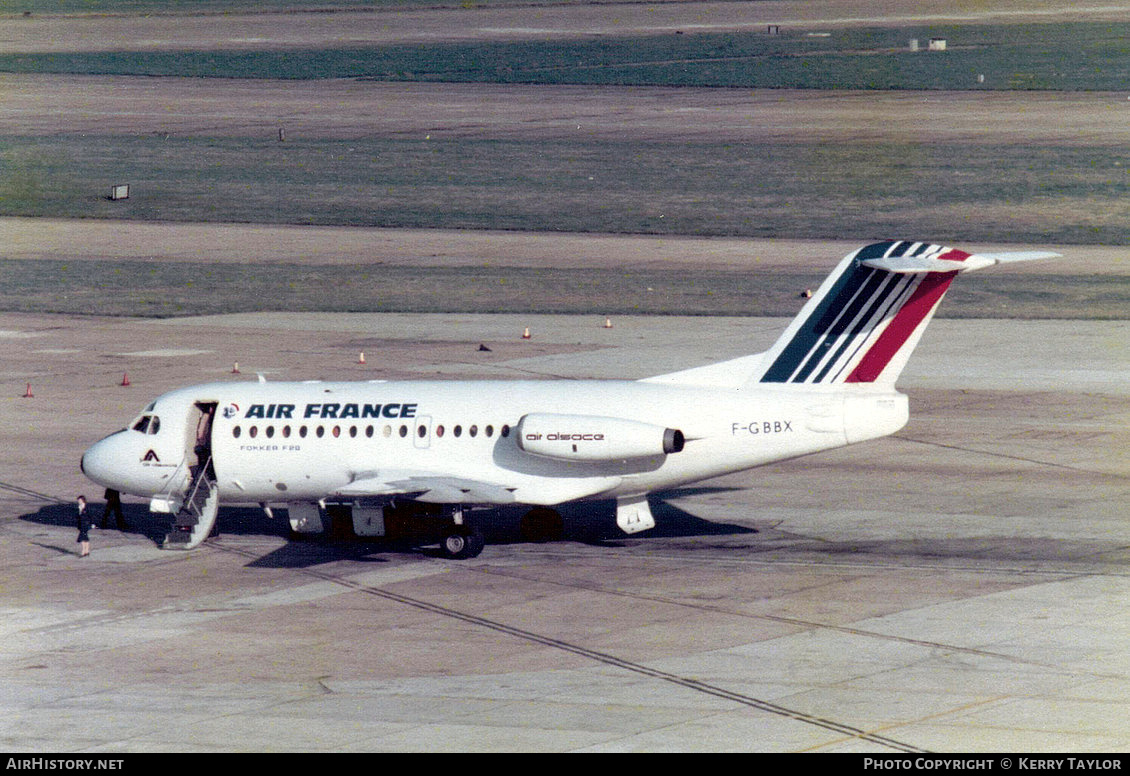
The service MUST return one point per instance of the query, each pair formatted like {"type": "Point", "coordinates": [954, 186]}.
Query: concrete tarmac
{"type": "Point", "coordinates": [960, 587]}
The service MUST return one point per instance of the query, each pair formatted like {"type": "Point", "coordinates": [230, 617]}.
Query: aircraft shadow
{"type": "Point", "coordinates": [595, 522]}
{"type": "Point", "coordinates": [591, 523]}
{"type": "Point", "coordinates": [138, 519]}
{"type": "Point", "coordinates": [141, 522]}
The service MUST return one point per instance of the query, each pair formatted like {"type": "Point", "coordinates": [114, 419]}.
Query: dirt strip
{"type": "Point", "coordinates": [77, 240]}
{"type": "Point", "coordinates": [40, 105]}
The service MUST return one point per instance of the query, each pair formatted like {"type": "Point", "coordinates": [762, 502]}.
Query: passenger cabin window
{"type": "Point", "coordinates": [473, 430]}
{"type": "Point", "coordinates": [149, 424]}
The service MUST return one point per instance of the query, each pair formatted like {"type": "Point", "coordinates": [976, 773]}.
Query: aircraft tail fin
{"type": "Point", "coordinates": [861, 324]}
{"type": "Point", "coordinates": [867, 317]}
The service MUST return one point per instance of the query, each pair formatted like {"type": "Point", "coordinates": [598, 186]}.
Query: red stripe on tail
{"type": "Point", "coordinates": [929, 292]}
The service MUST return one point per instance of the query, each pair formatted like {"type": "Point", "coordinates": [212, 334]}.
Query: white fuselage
{"type": "Point", "coordinates": [286, 442]}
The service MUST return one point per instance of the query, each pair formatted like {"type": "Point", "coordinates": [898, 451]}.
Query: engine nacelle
{"type": "Point", "coordinates": [594, 438]}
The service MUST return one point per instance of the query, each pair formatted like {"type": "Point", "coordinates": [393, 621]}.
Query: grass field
{"type": "Point", "coordinates": [188, 288]}
{"type": "Point", "coordinates": [1074, 56]}
{"type": "Point", "coordinates": [181, 6]}
{"type": "Point", "coordinates": [240, 6]}
{"type": "Point", "coordinates": [953, 192]}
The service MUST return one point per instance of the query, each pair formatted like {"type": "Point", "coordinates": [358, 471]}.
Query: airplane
{"type": "Point", "coordinates": [446, 450]}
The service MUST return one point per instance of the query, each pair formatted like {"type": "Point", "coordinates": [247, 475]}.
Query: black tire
{"type": "Point", "coordinates": [475, 544]}
{"type": "Point", "coordinates": [462, 544]}
{"type": "Point", "coordinates": [454, 546]}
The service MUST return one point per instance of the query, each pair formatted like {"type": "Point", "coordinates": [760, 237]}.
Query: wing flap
{"type": "Point", "coordinates": [428, 487]}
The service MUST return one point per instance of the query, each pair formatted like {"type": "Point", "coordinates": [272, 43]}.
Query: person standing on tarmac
{"type": "Point", "coordinates": [114, 507]}
{"type": "Point", "coordinates": [84, 526]}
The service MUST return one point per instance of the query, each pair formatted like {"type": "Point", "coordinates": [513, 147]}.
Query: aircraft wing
{"type": "Point", "coordinates": [428, 487]}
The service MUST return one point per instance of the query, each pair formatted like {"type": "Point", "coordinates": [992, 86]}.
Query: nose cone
{"type": "Point", "coordinates": [102, 463]}
{"type": "Point", "coordinates": [130, 462]}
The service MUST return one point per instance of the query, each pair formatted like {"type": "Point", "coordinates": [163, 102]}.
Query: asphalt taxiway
{"type": "Point", "coordinates": [961, 586]}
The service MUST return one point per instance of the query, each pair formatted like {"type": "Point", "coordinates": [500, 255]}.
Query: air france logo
{"type": "Point", "coordinates": [231, 411]}
{"type": "Point", "coordinates": [328, 411]}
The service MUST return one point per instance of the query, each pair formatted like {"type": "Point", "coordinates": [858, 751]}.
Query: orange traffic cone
{"type": "Point", "coordinates": [361, 358]}
{"type": "Point", "coordinates": [28, 394]}
{"type": "Point", "coordinates": [125, 379]}
{"type": "Point", "coordinates": [235, 368]}
{"type": "Point", "coordinates": [608, 323]}
{"type": "Point", "coordinates": [526, 333]}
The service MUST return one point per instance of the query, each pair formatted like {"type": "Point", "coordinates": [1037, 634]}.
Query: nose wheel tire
{"type": "Point", "coordinates": [460, 545]}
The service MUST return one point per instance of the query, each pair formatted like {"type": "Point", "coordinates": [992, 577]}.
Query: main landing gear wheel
{"type": "Point", "coordinates": [460, 545]}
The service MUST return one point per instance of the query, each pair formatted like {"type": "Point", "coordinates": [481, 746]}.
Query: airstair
{"type": "Point", "coordinates": [197, 515]}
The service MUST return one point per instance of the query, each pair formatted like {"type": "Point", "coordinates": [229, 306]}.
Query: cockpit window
{"type": "Point", "coordinates": [147, 424]}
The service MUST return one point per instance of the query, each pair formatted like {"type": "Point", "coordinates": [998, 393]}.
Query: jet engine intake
{"type": "Point", "coordinates": [594, 438]}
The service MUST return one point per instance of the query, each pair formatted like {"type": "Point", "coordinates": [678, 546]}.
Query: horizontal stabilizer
{"type": "Point", "coordinates": [952, 261]}
{"type": "Point", "coordinates": [1008, 256]}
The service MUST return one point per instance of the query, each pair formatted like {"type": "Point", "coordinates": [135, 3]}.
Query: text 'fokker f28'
{"type": "Point", "coordinates": [447, 449]}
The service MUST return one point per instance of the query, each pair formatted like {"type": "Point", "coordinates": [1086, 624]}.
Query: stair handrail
{"type": "Point", "coordinates": [168, 491]}
{"type": "Point", "coordinates": [200, 479]}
